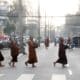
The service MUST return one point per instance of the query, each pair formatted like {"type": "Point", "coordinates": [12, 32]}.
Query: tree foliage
{"type": "Point", "coordinates": [10, 27]}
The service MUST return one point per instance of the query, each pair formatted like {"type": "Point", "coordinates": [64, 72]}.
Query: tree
{"type": "Point", "coordinates": [13, 13]}
{"type": "Point", "coordinates": [10, 27]}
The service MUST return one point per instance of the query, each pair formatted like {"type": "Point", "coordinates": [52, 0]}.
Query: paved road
{"type": "Point", "coordinates": [45, 69]}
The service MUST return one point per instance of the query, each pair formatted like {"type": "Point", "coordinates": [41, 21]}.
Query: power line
{"type": "Point", "coordinates": [38, 16]}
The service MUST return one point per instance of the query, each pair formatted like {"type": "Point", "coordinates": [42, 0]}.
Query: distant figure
{"type": "Point", "coordinates": [69, 42]}
{"type": "Point", "coordinates": [62, 53]}
{"type": "Point", "coordinates": [47, 42]}
{"type": "Point", "coordinates": [32, 58]}
{"type": "Point", "coordinates": [14, 53]}
{"type": "Point", "coordinates": [55, 42]}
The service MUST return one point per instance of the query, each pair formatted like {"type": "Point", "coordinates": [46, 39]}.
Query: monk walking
{"type": "Point", "coordinates": [62, 53]}
{"type": "Point", "coordinates": [32, 58]}
{"type": "Point", "coordinates": [14, 53]}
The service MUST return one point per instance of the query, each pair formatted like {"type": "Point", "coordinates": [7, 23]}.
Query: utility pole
{"type": "Point", "coordinates": [48, 28]}
{"type": "Point", "coordinates": [20, 25]}
{"type": "Point", "coordinates": [45, 26]}
{"type": "Point", "coordinates": [39, 37]}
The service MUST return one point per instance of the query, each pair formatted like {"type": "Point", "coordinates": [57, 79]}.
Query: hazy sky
{"type": "Point", "coordinates": [53, 8]}
{"type": "Point", "coordinates": [56, 8]}
{"type": "Point", "coordinates": [60, 7]}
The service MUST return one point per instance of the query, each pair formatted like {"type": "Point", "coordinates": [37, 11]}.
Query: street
{"type": "Point", "coordinates": [45, 69]}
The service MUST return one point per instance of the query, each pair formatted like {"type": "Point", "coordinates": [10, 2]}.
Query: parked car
{"type": "Point", "coordinates": [76, 42]}
{"type": "Point", "coordinates": [4, 41]}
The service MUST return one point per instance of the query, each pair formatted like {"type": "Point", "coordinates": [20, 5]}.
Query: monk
{"type": "Point", "coordinates": [32, 58]}
{"type": "Point", "coordinates": [47, 42]}
{"type": "Point", "coordinates": [14, 53]}
{"type": "Point", "coordinates": [62, 58]}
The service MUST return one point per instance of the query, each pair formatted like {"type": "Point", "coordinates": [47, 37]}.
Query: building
{"type": "Point", "coordinates": [32, 28]}
{"type": "Point", "coordinates": [72, 26]}
{"type": "Point", "coordinates": [4, 8]}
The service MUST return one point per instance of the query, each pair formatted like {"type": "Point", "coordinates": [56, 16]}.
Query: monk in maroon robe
{"type": "Point", "coordinates": [32, 58]}
{"type": "Point", "coordinates": [62, 59]}
{"type": "Point", "coordinates": [47, 42]}
{"type": "Point", "coordinates": [14, 53]}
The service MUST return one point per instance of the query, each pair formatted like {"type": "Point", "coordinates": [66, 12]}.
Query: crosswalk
{"type": "Point", "coordinates": [58, 77]}
{"type": "Point", "coordinates": [26, 77]}
{"type": "Point", "coordinates": [31, 77]}
{"type": "Point", "coordinates": [2, 75]}
{"type": "Point", "coordinates": [23, 73]}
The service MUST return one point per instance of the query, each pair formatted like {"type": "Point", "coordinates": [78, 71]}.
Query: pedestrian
{"type": "Point", "coordinates": [62, 59]}
{"type": "Point", "coordinates": [14, 53]}
{"type": "Point", "coordinates": [55, 42]}
{"type": "Point", "coordinates": [47, 42]}
{"type": "Point", "coordinates": [32, 58]}
{"type": "Point", "coordinates": [69, 42]}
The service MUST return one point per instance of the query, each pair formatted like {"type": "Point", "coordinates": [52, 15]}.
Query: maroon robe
{"type": "Point", "coordinates": [32, 58]}
{"type": "Point", "coordinates": [14, 52]}
{"type": "Point", "coordinates": [47, 42]}
{"type": "Point", "coordinates": [62, 53]}
{"type": "Point", "coordinates": [1, 56]}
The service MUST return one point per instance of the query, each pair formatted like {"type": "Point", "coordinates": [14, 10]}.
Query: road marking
{"type": "Point", "coordinates": [70, 72]}
{"type": "Point", "coordinates": [1, 75]}
{"type": "Point", "coordinates": [58, 77]}
{"type": "Point", "coordinates": [26, 77]}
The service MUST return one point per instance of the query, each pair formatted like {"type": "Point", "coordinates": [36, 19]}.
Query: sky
{"type": "Point", "coordinates": [56, 8]}
{"type": "Point", "coordinates": [60, 7]}
{"type": "Point", "coordinates": [53, 8]}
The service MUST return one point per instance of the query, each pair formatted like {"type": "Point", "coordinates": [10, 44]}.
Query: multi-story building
{"type": "Point", "coordinates": [72, 26]}
{"type": "Point", "coordinates": [3, 14]}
